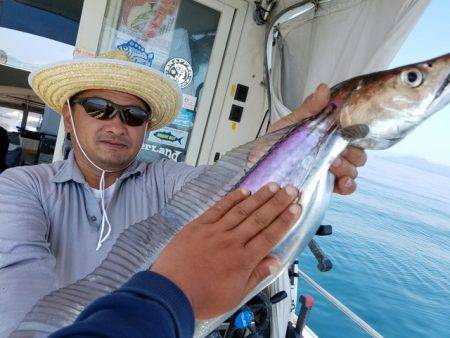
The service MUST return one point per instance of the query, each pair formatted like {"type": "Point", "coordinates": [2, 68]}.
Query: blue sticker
{"type": "Point", "coordinates": [137, 52]}
{"type": "Point", "coordinates": [184, 119]}
{"type": "Point", "coordinates": [243, 319]}
{"type": "Point", "coordinates": [167, 136]}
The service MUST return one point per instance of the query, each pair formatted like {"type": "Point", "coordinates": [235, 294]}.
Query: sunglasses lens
{"type": "Point", "coordinates": [98, 108]}
{"type": "Point", "coordinates": [134, 116]}
{"type": "Point", "coordinates": [103, 109]}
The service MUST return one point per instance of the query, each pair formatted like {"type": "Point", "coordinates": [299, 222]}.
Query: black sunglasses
{"type": "Point", "coordinates": [103, 109]}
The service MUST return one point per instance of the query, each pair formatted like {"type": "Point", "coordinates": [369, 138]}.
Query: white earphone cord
{"type": "Point", "coordinates": [105, 220]}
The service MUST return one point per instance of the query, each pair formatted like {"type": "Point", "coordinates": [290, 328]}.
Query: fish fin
{"type": "Point", "coordinates": [355, 132]}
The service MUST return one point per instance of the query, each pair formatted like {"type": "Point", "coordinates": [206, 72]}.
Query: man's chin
{"type": "Point", "coordinates": [115, 162]}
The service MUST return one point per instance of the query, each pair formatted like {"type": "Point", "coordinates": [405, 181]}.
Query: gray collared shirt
{"type": "Point", "coordinates": [50, 224]}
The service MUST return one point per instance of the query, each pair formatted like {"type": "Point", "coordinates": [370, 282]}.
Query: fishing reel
{"type": "Point", "coordinates": [252, 320]}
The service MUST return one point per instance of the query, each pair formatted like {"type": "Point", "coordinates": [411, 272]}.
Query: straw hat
{"type": "Point", "coordinates": [57, 82]}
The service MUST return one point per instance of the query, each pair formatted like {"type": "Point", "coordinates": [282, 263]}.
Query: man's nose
{"type": "Point", "coordinates": [115, 125]}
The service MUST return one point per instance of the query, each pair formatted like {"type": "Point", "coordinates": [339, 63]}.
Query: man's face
{"type": "Point", "coordinates": [110, 144]}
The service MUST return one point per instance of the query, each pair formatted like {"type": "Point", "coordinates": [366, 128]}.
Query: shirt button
{"type": "Point", "coordinates": [93, 218]}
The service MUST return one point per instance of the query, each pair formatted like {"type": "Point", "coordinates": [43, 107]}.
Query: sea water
{"type": "Point", "coordinates": [390, 250]}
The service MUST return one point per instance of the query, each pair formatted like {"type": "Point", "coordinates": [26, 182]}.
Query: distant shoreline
{"type": "Point", "coordinates": [419, 163]}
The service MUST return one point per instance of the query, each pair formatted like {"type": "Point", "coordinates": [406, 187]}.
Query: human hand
{"type": "Point", "coordinates": [345, 166]}
{"type": "Point", "coordinates": [218, 258]}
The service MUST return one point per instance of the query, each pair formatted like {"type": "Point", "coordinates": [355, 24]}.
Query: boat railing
{"type": "Point", "coordinates": [349, 313]}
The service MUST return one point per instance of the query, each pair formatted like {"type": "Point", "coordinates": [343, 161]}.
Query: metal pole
{"type": "Point", "coordinates": [366, 327]}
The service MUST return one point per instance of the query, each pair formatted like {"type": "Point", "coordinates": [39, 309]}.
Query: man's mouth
{"type": "Point", "coordinates": [114, 145]}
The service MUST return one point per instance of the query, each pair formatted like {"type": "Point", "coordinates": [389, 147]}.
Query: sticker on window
{"type": "Point", "coordinates": [169, 136]}
{"type": "Point", "coordinates": [180, 70]}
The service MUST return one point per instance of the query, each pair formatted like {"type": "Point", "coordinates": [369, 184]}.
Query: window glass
{"type": "Point", "coordinates": [165, 36]}
{"type": "Point", "coordinates": [34, 33]}
{"type": "Point", "coordinates": [10, 119]}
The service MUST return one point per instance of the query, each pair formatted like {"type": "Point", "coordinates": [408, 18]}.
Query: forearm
{"type": "Point", "coordinates": [26, 262]}
{"type": "Point", "coordinates": [148, 305]}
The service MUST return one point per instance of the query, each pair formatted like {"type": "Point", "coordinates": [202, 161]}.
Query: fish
{"type": "Point", "coordinates": [373, 111]}
{"type": "Point", "coordinates": [168, 136]}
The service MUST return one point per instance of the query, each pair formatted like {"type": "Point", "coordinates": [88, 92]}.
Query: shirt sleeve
{"type": "Point", "coordinates": [148, 305]}
{"type": "Point", "coordinates": [26, 262]}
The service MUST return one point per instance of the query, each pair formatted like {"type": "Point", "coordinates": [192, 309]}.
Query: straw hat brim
{"type": "Point", "coordinates": [55, 83]}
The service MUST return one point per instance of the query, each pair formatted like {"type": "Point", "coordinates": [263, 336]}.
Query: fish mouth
{"type": "Point", "coordinates": [394, 139]}
{"type": "Point", "coordinates": [442, 87]}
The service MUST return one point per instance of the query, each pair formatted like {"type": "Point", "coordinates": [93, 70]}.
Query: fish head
{"type": "Point", "coordinates": [378, 110]}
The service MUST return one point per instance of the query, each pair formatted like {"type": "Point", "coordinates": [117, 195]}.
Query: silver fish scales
{"type": "Point", "coordinates": [373, 111]}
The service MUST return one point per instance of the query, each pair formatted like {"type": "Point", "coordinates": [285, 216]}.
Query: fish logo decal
{"type": "Point", "coordinates": [137, 53]}
{"type": "Point", "coordinates": [168, 136]}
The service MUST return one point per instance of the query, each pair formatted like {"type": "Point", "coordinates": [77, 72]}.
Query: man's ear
{"type": "Point", "coordinates": [66, 119]}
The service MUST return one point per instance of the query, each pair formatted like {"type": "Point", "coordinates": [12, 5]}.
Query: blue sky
{"type": "Point", "coordinates": [429, 38]}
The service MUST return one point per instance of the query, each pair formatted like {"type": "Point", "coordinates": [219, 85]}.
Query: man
{"type": "Point", "coordinates": [59, 221]}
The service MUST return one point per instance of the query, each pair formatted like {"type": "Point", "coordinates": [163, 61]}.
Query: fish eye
{"type": "Point", "coordinates": [412, 77]}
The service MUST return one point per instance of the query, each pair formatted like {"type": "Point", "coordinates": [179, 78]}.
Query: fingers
{"type": "Point", "coordinates": [219, 209]}
{"type": "Point", "coordinates": [260, 245]}
{"type": "Point", "coordinates": [268, 266]}
{"type": "Point", "coordinates": [341, 167]}
{"type": "Point", "coordinates": [355, 156]}
{"type": "Point", "coordinates": [344, 186]}
{"type": "Point", "coordinates": [262, 217]}
{"type": "Point", "coordinates": [311, 106]}
{"type": "Point", "coordinates": [244, 209]}
{"type": "Point", "coordinates": [345, 169]}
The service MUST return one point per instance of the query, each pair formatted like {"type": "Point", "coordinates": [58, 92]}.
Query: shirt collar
{"type": "Point", "coordinates": [70, 171]}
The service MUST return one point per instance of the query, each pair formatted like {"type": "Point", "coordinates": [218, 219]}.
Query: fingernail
{"type": "Point", "coordinates": [348, 183]}
{"type": "Point", "coordinates": [337, 162]}
{"type": "Point", "coordinates": [291, 191]}
{"type": "Point", "coordinates": [345, 152]}
{"type": "Point", "coordinates": [273, 187]}
{"type": "Point", "coordinates": [245, 191]}
{"type": "Point", "coordinates": [273, 269]}
{"type": "Point", "coordinates": [294, 209]}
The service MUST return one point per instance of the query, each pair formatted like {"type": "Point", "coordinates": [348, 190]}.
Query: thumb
{"type": "Point", "coordinates": [313, 103]}
{"type": "Point", "coordinates": [268, 266]}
